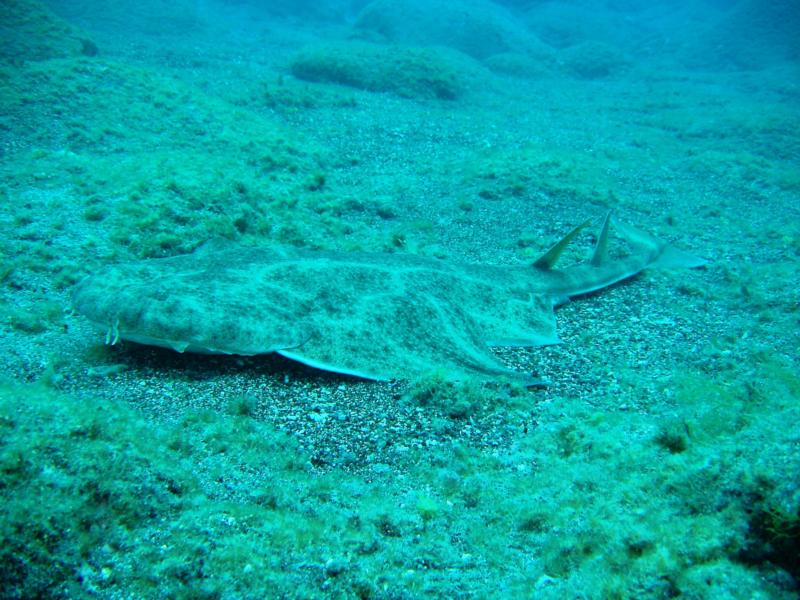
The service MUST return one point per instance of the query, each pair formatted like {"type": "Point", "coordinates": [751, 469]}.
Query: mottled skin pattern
{"type": "Point", "coordinates": [379, 316]}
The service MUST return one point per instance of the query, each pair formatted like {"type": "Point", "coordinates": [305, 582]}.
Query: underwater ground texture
{"type": "Point", "coordinates": [662, 461]}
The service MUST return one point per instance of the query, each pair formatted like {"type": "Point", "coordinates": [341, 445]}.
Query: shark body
{"type": "Point", "coordinates": [376, 316]}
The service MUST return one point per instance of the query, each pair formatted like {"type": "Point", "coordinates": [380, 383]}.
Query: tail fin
{"type": "Point", "coordinates": [657, 253]}
{"type": "Point", "coordinates": [549, 259]}
{"type": "Point", "coordinates": [601, 271]}
{"type": "Point", "coordinates": [664, 255]}
{"type": "Point", "coordinates": [600, 253]}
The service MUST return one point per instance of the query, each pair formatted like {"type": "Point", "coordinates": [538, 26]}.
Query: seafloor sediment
{"type": "Point", "coordinates": [660, 461]}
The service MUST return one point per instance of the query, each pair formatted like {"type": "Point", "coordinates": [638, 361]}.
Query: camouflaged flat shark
{"type": "Point", "coordinates": [376, 316]}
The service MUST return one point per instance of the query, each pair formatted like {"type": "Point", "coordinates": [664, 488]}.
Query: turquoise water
{"type": "Point", "coordinates": [660, 461]}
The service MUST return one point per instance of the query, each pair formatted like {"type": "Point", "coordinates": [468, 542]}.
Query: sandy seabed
{"type": "Point", "coordinates": [662, 459]}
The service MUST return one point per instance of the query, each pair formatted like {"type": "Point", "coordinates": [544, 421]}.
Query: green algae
{"type": "Point", "coordinates": [99, 500]}
{"type": "Point", "coordinates": [206, 164]}
{"type": "Point", "coordinates": [500, 173]}
{"type": "Point", "coordinates": [158, 167]}
{"type": "Point", "coordinates": [31, 32]}
{"type": "Point", "coordinates": [457, 400]}
{"type": "Point", "coordinates": [222, 504]}
{"type": "Point", "coordinates": [74, 490]}
{"type": "Point", "coordinates": [41, 316]}
{"type": "Point", "coordinates": [622, 528]}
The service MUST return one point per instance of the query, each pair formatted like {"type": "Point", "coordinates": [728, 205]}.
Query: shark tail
{"type": "Point", "coordinates": [600, 270]}
{"type": "Point", "coordinates": [660, 254]}
{"type": "Point", "coordinates": [663, 255]}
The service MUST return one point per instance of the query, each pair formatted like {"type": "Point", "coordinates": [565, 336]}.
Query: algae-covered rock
{"type": "Point", "coordinates": [31, 32]}
{"type": "Point", "coordinates": [406, 72]}
{"type": "Point", "coordinates": [750, 35]}
{"type": "Point", "coordinates": [593, 60]}
{"type": "Point", "coordinates": [79, 479]}
{"type": "Point", "coordinates": [159, 165]}
{"type": "Point", "coordinates": [499, 174]}
{"type": "Point", "coordinates": [565, 24]}
{"type": "Point", "coordinates": [475, 27]}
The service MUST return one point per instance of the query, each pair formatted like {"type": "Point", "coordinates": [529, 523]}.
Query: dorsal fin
{"type": "Point", "coordinates": [601, 247]}
{"type": "Point", "coordinates": [549, 258]}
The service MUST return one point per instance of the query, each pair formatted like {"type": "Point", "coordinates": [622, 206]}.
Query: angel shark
{"type": "Point", "coordinates": [375, 316]}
